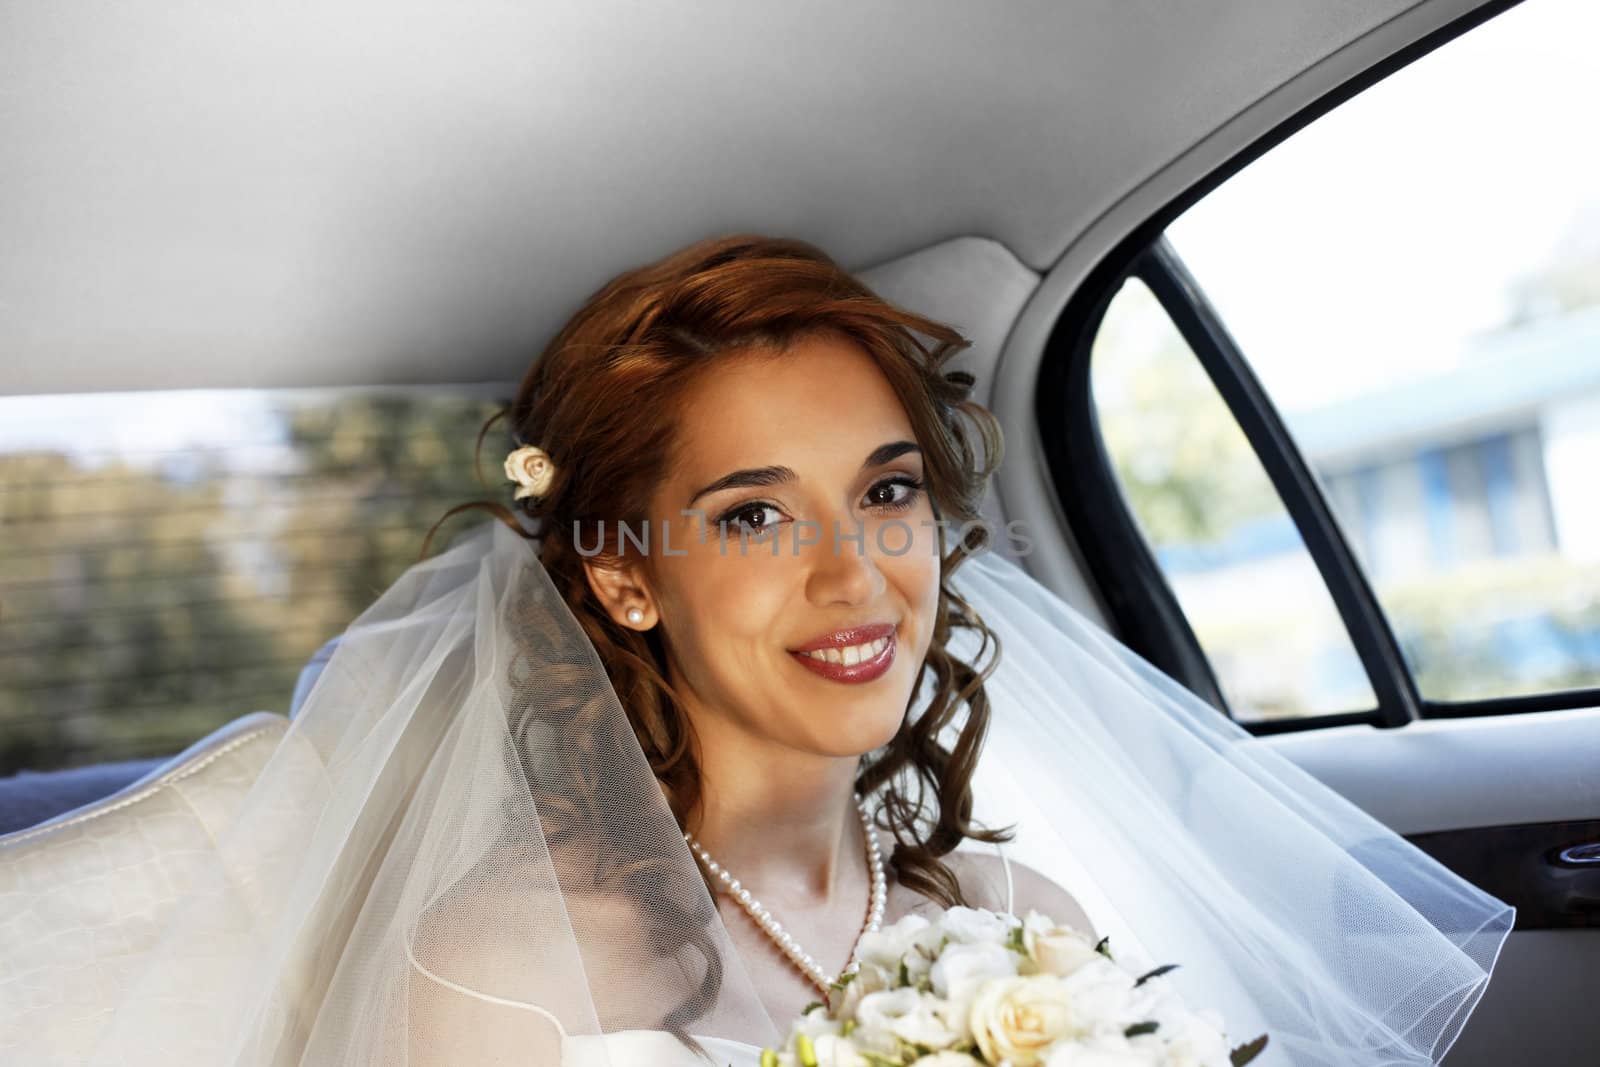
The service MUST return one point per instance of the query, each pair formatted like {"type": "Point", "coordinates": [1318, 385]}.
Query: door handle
{"type": "Point", "coordinates": [1579, 855]}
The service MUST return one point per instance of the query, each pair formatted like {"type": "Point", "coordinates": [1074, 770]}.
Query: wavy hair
{"type": "Point", "coordinates": [603, 400]}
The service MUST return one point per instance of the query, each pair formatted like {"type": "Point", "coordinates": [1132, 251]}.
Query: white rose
{"type": "Point", "coordinates": [971, 926]}
{"type": "Point", "coordinates": [814, 1024]}
{"type": "Point", "coordinates": [947, 1058]}
{"type": "Point", "coordinates": [918, 964]}
{"type": "Point", "coordinates": [869, 978]}
{"type": "Point", "coordinates": [1192, 1041]}
{"type": "Point", "coordinates": [907, 1014]}
{"type": "Point", "coordinates": [961, 969]}
{"type": "Point", "coordinates": [1105, 996]}
{"type": "Point", "coordinates": [1115, 1052]}
{"type": "Point", "coordinates": [835, 1051]}
{"type": "Point", "coordinates": [926, 948]}
{"type": "Point", "coordinates": [1018, 1019]}
{"type": "Point", "coordinates": [886, 947]}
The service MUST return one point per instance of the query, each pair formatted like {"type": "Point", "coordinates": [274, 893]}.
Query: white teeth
{"type": "Point", "coordinates": [853, 654]}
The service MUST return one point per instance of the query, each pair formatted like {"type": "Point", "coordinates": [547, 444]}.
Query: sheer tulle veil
{"type": "Point", "coordinates": [458, 852]}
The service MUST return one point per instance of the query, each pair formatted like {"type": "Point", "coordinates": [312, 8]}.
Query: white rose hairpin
{"type": "Point", "coordinates": [532, 469]}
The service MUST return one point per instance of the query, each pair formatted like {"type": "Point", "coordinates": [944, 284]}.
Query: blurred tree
{"type": "Point", "coordinates": [1187, 470]}
{"type": "Point", "coordinates": [147, 600]}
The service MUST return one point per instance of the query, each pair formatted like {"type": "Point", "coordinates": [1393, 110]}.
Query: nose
{"type": "Point", "coordinates": [843, 572]}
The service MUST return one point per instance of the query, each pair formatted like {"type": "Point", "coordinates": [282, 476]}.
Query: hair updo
{"type": "Point", "coordinates": [603, 400]}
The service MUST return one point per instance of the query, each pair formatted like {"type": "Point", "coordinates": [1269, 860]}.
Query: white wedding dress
{"type": "Point", "coordinates": [653, 1047]}
{"type": "Point", "coordinates": [657, 1048]}
{"type": "Point", "coordinates": [624, 1048]}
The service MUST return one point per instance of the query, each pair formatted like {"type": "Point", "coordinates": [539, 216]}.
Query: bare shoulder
{"type": "Point", "coordinates": [983, 881]}
{"type": "Point", "coordinates": [470, 995]}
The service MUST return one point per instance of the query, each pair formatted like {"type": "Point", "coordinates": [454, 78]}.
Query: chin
{"type": "Point", "coordinates": [858, 734]}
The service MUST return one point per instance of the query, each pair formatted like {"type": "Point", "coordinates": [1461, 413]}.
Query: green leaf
{"type": "Point", "coordinates": [1247, 1052]}
{"type": "Point", "coordinates": [1017, 940]}
{"type": "Point", "coordinates": [1104, 947]}
{"type": "Point", "coordinates": [809, 1007]}
{"type": "Point", "coordinates": [1141, 1028]}
{"type": "Point", "coordinates": [1157, 973]}
{"type": "Point", "coordinates": [904, 977]}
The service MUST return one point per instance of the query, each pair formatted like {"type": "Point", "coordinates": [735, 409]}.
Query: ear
{"type": "Point", "coordinates": [620, 588]}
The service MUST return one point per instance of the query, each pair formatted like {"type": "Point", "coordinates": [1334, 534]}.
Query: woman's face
{"type": "Point", "coordinates": [811, 454]}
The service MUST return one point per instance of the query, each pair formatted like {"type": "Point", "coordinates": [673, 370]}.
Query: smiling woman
{"type": "Point", "coordinates": [748, 387]}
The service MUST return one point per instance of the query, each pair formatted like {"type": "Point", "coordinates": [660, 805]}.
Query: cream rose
{"type": "Point", "coordinates": [1016, 1020]}
{"type": "Point", "coordinates": [532, 469]}
{"type": "Point", "coordinates": [1058, 950]}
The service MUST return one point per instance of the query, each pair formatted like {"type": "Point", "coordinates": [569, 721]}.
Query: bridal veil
{"type": "Point", "coordinates": [458, 854]}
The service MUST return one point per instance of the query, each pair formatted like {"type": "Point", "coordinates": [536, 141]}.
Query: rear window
{"type": "Point", "coordinates": [169, 561]}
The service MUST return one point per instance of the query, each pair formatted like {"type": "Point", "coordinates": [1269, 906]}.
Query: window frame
{"type": "Point", "coordinates": [1134, 589]}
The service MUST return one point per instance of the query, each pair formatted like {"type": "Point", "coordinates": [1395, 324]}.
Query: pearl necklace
{"type": "Point", "coordinates": [782, 938]}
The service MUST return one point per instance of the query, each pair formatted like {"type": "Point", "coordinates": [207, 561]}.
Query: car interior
{"type": "Point", "coordinates": [309, 203]}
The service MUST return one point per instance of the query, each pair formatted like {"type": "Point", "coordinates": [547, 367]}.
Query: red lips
{"type": "Point", "coordinates": [852, 673]}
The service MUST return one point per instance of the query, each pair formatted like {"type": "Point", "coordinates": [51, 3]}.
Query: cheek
{"type": "Point", "coordinates": [916, 575]}
{"type": "Point", "coordinates": [719, 610]}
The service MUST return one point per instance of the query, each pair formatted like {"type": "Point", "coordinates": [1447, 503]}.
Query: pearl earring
{"type": "Point", "coordinates": [635, 616]}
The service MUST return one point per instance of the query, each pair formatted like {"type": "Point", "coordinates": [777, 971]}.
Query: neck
{"type": "Point", "coordinates": [777, 818]}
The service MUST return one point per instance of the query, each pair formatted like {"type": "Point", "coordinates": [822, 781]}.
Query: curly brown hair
{"type": "Point", "coordinates": [602, 400]}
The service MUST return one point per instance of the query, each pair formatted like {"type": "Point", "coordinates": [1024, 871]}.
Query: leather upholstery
{"type": "Point", "coordinates": [83, 895]}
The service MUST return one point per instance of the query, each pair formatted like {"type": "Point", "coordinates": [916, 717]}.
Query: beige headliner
{"type": "Point", "coordinates": [238, 193]}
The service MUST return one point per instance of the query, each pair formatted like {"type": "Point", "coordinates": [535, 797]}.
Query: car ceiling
{"type": "Point", "coordinates": [351, 192]}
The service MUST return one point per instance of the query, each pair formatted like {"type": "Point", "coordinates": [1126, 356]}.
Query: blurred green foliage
{"type": "Point", "coordinates": [147, 599]}
{"type": "Point", "coordinates": [1186, 468]}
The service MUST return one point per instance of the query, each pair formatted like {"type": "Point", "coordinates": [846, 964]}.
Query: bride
{"type": "Point", "coordinates": [624, 776]}
{"type": "Point", "coordinates": [728, 405]}
{"type": "Point", "coordinates": [765, 395]}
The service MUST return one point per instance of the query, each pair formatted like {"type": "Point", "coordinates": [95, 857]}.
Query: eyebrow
{"type": "Point", "coordinates": [760, 477]}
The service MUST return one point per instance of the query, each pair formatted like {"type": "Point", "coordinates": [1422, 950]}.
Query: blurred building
{"type": "Point", "coordinates": [1497, 457]}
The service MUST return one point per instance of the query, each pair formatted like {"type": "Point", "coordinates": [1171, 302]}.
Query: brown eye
{"type": "Point", "coordinates": [736, 518]}
{"type": "Point", "coordinates": [894, 494]}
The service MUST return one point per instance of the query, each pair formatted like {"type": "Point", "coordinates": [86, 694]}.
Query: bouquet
{"type": "Point", "coordinates": [980, 988]}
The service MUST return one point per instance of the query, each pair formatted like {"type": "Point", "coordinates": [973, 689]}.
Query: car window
{"type": "Point", "coordinates": [1414, 280]}
{"type": "Point", "coordinates": [170, 560]}
{"type": "Point", "coordinates": [1209, 514]}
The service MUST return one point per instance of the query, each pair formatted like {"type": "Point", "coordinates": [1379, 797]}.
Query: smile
{"type": "Point", "coordinates": [855, 663]}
